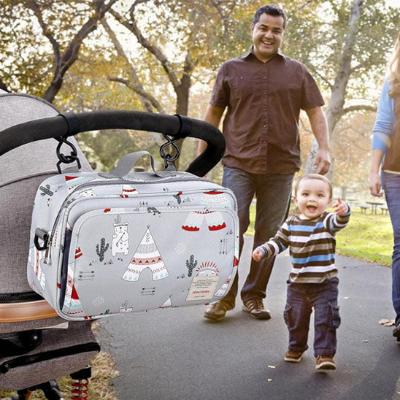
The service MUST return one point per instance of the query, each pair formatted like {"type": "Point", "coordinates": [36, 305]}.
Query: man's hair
{"type": "Point", "coordinates": [270, 9]}
{"type": "Point", "coordinates": [317, 177]}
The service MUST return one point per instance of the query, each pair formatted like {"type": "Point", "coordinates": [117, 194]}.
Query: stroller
{"type": "Point", "coordinates": [36, 345]}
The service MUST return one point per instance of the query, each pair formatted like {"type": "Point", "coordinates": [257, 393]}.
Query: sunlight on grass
{"type": "Point", "coordinates": [367, 237]}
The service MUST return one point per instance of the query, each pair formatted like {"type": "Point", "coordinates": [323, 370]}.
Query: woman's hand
{"type": "Point", "coordinates": [375, 184]}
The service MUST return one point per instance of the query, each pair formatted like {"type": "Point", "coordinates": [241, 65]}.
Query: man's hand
{"type": "Point", "coordinates": [341, 208]}
{"type": "Point", "coordinates": [375, 184]}
{"type": "Point", "coordinates": [322, 162]}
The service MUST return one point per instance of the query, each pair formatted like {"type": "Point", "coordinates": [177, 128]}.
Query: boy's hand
{"type": "Point", "coordinates": [258, 255]}
{"type": "Point", "coordinates": [341, 208]}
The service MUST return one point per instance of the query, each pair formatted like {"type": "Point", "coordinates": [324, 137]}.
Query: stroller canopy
{"type": "Point", "coordinates": [33, 159]}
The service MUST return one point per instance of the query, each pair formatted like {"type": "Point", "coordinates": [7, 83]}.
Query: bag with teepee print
{"type": "Point", "coordinates": [126, 241]}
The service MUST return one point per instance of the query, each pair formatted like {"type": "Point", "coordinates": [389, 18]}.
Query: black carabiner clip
{"type": "Point", "coordinates": [66, 159]}
{"type": "Point", "coordinates": [168, 156]}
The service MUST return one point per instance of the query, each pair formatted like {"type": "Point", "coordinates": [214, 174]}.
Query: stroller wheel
{"type": "Point", "coordinates": [50, 390]}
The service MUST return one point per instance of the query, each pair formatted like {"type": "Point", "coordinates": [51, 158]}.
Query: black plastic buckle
{"type": "Point", "coordinates": [42, 235]}
{"type": "Point", "coordinates": [66, 159]}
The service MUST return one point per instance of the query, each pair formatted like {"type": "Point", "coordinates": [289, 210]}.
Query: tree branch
{"type": "Point", "coordinates": [70, 55]}
{"type": "Point", "coordinates": [156, 51]}
{"type": "Point", "coordinates": [3, 86]}
{"type": "Point", "coordinates": [148, 101]}
{"type": "Point", "coordinates": [359, 107]}
{"type": "Point", "coordinates": [315, 71]}
{"type": "Point", "coordinates": [46, 32]}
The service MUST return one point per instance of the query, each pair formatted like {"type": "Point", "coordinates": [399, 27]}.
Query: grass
{"type": "Point", "coordinates": [367, 237]}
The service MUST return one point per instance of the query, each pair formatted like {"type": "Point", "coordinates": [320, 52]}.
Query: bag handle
{"type": "Point", "coordinates": [127, 162]}
{"type": "Point", "coordinates": [65, 125]}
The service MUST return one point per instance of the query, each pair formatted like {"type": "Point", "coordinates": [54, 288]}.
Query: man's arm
{"type": "Point", "coordinates": [319, 128]}
{"type": "Point", "coordinates": [213, 116]}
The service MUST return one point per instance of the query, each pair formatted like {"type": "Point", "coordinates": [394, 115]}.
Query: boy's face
{"type": "Point", "coordinates": [312, 197]}
{"type": "Point", "coordinates": [267, 35]}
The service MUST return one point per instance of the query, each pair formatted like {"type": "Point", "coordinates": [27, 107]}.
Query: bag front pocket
{"type": "Point", "coordinates": [134, 259]}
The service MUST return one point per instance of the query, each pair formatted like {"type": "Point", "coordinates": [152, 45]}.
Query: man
{"type": "Point", "coordinates": [263, 92]}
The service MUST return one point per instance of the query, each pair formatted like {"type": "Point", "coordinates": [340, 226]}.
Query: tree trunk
{"type": "Point", "coordinates": [64, 61]}
{"type": "Point", "coordinates": [334, 110]}
{"type": "Point", "coordinates": [182, 96]}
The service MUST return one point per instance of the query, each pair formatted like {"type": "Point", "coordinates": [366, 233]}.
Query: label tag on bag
{"type": "Point", "coordinates": [202, 288]}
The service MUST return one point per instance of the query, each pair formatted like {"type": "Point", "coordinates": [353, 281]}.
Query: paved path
{"type": "Point", "coordinates": [170, 354]}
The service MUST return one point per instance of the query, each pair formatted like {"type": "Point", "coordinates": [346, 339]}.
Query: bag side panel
{"type": "Point", "coordinates": [16, 203]}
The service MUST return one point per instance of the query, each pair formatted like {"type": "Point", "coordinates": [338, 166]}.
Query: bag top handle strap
{"type": "Point", "coordinates": [127, 162]}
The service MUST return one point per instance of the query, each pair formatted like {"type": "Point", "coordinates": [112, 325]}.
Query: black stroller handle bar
{"type": "Point", "coordinates": [70, 124]}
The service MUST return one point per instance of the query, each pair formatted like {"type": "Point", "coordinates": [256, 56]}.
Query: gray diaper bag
{"type": "Point", "coordinates": [109, 243]}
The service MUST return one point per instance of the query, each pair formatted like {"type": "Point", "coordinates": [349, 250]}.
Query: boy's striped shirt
{"type": "Point", "coordinates": [312, 246]}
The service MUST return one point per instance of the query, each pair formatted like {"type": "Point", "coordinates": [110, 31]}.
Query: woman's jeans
{"type": "Point", "coordinates": [301, 299]}
{"type": "Point", "coordinates": [273, 197]}
{"type": "Point", "coordinates": [391, 186]}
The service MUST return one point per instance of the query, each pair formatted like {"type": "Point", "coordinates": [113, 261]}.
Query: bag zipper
{"type": "Point", "coordinates": [102, 183]}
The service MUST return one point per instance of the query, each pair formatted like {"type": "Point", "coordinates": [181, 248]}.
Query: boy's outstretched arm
{"type": "Point", "coordinates": [340, 218]}
{"type": "Point", "coordinates": [274, 246]}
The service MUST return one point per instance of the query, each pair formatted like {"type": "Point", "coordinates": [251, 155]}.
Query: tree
{"type": "Point", "coordinates": [173, 34]}
{"type": "Point", "coordinates": [351, 62]}
{"type": "Point", "coordinates": [29, 64]}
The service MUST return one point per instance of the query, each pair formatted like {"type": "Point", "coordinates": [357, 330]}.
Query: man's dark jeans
{"type": "Point", "coordinates": [273, 197]}
{"type": "Point", "coordinates": [301, 298]}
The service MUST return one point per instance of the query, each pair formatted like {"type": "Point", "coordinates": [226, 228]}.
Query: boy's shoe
{"type": "Point", "coordinates": [293, 356]}
{"type": "Point", "coordinates": [325, 363]}
{"type": "Point", "coordinates": [216, 311]}
{"type": "Point", "coordinates": [255, 308]}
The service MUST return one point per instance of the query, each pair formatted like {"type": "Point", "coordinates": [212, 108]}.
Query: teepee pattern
{"type": "Point", "coordinates": [146, 256]}
{"type": "Point", "coordinates": [72, 304]}
{"type": "Point", "coordinates": [194, 220]}
{"type": "Point", "coordinates": [37, 269]}
{"type": "Point", "coordinates": [214, 219]}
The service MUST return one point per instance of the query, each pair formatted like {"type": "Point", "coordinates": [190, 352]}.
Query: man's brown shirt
{"type": "Point", "coordinates": [263, 103]}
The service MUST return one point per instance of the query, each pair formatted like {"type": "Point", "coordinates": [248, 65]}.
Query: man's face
{"type": "Point", "coordinates": [267, 36]}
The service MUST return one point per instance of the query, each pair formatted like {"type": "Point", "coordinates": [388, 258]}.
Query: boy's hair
{"type": "Point", "coordinates": [270, 9]}
{"type": "Point", "coordinates": [317, 177]}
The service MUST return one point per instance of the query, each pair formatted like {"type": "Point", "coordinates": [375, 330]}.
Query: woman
{"type": "Point", "coordinates": [385, 165]}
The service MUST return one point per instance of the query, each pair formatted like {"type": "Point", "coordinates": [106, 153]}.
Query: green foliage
{"type": "Point", "coordinates": [368, 237]}
{"type": "Point", "coordinates": [27, 55]}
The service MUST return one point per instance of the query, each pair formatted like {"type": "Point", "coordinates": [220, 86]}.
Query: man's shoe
{"type": "Point", "coordinates": [255, 308]}
{"type": "Point", "coordinates": [293, 356]}
{"type": "Point", "coordinates": [216, 311]}
{"type": "Point", "coordinates": [396, 332]}
{"type": "Point", "coordinates": [325, 363]}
